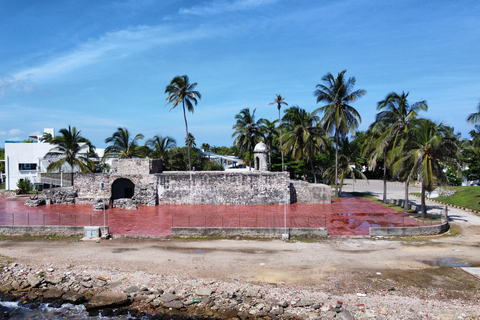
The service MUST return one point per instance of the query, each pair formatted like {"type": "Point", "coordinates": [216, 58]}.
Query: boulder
{"type": "Point", "coordinates": [73, 297]}
{"type": "Point", "coordinates": [35, 202]}
{"type": "Point", "coordinates": [108, 299]}
{"type": "Point", "coordinates": [99, 205]}
{"type": "Point", "coordinates": [125, 203]}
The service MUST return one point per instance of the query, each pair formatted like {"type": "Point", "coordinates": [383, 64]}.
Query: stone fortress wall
{"type": "Point", "coordinates": [153, 187]}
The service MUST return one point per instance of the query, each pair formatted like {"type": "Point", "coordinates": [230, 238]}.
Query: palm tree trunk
{"type": "Point", "coordinates": [280, 136]}
{"type": "Point", "coordinates": [384, 177]}
{"type": "Point", "coordinates": [188, 144]}
{"type": "Point", "coordinates": [313, 171]}
{"type": "Point", "coordinates": [424, 207]}
{"type": "Point", "coordinates": [406, 205]}
{"type": "Point", "coordinates": [336, 161]}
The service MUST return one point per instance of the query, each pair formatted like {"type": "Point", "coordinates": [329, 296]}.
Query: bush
{"type": "Point", "coordinates": [24, 185]}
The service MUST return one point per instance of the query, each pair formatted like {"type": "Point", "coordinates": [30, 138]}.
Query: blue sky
{"type": "Point", "coordinates": [100, 65]}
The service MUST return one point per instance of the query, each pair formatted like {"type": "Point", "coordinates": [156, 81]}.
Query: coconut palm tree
{"type": "Point", "coordinates": [474, 118]}
{"type": "Point", "coordinates": [180, 90]}
{"type": "Point", "coordinates": [430, 149]}
{"type": "Point", "coordinates": [72, 149]}
{"type": "Point", "coordinates": [392, 124]}
{"type": "Point", "coordinates": [348, 164]}
{"type": "Point", "coordinates": [269, 131]}
{"type": "Point", "coordinates": [279, 100]}
{"type": "Point", "coordinates": [160, 148]}
{"type": "Point", "coordinates": [123, 145]}
{"type": "Point", "coordinates": [247, 132]}
{"type": "Point", "coordinates": [303, 135]}
{"type": "Point", "coordinates": [338, 116]}
{"type": "Point", "coordinates": [190, 141]}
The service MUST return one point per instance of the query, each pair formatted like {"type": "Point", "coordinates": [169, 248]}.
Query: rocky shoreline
{"type": "Point", "coordinates": [111, 292]}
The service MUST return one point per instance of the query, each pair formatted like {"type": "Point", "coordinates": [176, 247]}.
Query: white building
{"type": "Point", "coordinates": [23, 160]}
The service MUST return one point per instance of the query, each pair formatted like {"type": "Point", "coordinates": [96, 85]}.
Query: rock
{"type": "Point", "coordinates": [175, 304]}
{"type": "Point", "coordinates": [99, 205]}
{"type": "Point", "coordinates": [108, 299]}
{"type": "Point", "coordinates": [54, 280]}
{"type": "Point", "coordinates": [73, 297]}
{"type": "Point", "coordinates": [167, 297]}
{"type": "Point", "coordinates": [132, 289]}
{"type": "Point", "coordinates": [345, 315]}
{"type": "Point", "coordinates": [303, 303]}
{"type": "Point", "coordinates": [125, 203]}
{"type": "Point", "coordinates": [6, 288]}
{"type": "Point", "coordinates": [35, 202]}
{"type": "Point", "coordinates": [53, 293]}
{"type": "Point", "coordinates": [203, 291]}
{"type": "Point", "coordinates": [276, 310]}
{"type": "Point", "coordinates": [33, 280]}
{"type": "Point", "coordinates": [60, 195]}
{"type": "Point", "coordinates": [15, 285]}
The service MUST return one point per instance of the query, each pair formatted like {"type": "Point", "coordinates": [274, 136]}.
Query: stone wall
{"type": "Point", "coordinates": [204, 187]}
{"type": "Point", "coordinates": [214, 187]}
{"type": "Point", "coordinates": [66, 231]}
{"type": "Point", "coordinates": [88, 187]}
{"type": "Point", "coordinates": [301, 191]}
{"type": "Point", "coordinates": [136, 166]}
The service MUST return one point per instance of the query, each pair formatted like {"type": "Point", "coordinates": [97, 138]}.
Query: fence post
{"type": "Point", "coordinates": [239, 220]}
{"type": "Point", "coordinates": [256, 219]}
{"type": "Point", "coordinates": [222, 220]}
{"type": "Point", "coordinates": [44, 219]}
{"type": "Point", "coordinates": [59, 223]}
{"type": "Point", "coordinates": [90, 218]}
{"type": "Point", "coordinates": [13, 218]}
{"type": "Point", "coordinates": [188, 221]}
{"type": "Point", "coordinates": [308, 220]}
{"type": "Point", "coordinates": [75, 218]}
{"type": "Point", "coordinates": [205, 219]}
{"type": "Point", "coordinates": [28, 218]}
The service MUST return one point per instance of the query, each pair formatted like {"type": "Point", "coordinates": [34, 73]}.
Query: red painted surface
{"type": "Point", "coordinates": [348, 216]}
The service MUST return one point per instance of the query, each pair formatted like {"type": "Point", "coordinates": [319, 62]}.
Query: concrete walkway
{"type": "Point", "coordinates": [396, 190]}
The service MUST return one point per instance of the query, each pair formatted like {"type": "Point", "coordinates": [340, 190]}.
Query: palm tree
{"type": "Point", "coordinates": [247, 132]}
{"type": "Point", "coordinates": [303, 135]}
{"type": "Point", "coordinates": [348, 163]}
{"type": "Point", "coordinates": [338, 115]}
{"type": "Point", "coordinates": [73, 149]}
{"type": "Point", "coordinates": [190, 141]}
{"type": "Point", "coordinates": [393, 123]}
{"type": "Point", "coordinates": [123, 145]}
{"type": "Point", "coordinates": [160, 148]}
{"type": "Point", "coordinates": [181, 91]}
{"type": "Point", "coordinates": [279, 100]}
{"type": "Point", "coordinates": [269, 131]}
{"type": "Point", "coordinates": [474, 117]}
{"type": "Point", "coordinates": [431, 148]}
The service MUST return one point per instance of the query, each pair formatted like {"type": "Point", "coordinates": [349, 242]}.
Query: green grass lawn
{"type": "Point", "coordinates": [467, 197]}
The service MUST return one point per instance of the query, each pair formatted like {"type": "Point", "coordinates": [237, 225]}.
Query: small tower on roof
{"type": "Point", "coordinates": [260, 154]}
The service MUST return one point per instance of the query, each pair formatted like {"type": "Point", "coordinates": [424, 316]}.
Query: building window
{"type": "Point", "coordinates": [27, 166]}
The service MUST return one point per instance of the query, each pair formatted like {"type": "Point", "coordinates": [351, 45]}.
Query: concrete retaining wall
{"type": "Point", "coordinates": [42, 231]}
{"type": "Point", "coordinates": [249, 232]}
{"type": "Point", "coordinates": [410, 231]}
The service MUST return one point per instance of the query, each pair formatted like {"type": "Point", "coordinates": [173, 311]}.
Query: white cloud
{"type": "Point", "coordinates": [112, 45]}
{"type": "Point", "coordinates": [13, 132]}
{"type": "Point", "coordinates": [9, 84]}
{"type": "Point", "coordinates": [220, 6]}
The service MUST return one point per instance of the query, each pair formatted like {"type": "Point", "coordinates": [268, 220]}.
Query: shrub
{"type": "Point", "coordinates": [24, 185]}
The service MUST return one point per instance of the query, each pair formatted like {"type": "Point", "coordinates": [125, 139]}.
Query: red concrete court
{"type": "Point", "coordinates": [348, 216]}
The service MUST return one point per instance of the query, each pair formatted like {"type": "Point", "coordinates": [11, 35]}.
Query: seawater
{"type": "Point", "coordinates": [14, 310]}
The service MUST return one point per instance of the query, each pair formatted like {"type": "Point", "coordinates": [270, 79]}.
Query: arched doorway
{"type": "Point", "coordinates": [122, 188]}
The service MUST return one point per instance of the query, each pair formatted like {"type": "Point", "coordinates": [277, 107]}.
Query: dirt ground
{"type": "Point", "coordinates": [345, 265]}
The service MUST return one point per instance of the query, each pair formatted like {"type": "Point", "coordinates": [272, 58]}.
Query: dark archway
{"type": "Point", "coordinates": [122, 188]}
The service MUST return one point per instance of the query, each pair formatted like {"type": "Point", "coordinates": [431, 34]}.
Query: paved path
{"type": "Point", "coordinates": [396, 190]}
